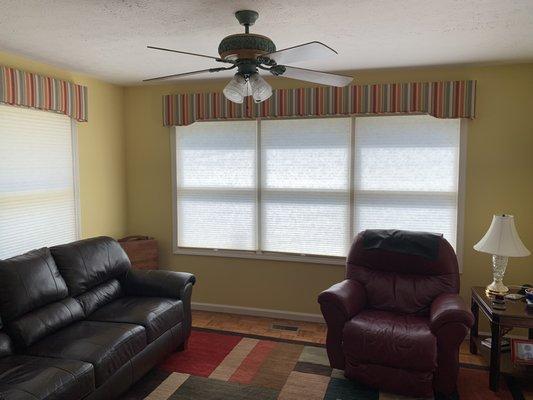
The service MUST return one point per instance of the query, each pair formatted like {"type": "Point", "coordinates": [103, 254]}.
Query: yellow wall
{"type": "Point", "coordinates": [125, 180]}
{"type": "Point", "coordinates": [101, 151]}
{"type": "Point", "coordinates": [499, 179]}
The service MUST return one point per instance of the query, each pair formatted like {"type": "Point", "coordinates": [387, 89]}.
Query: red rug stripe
{"type": "Point", "coordinates": [204, 353]}
{"type": "Point", "coordinates": [251, 364]}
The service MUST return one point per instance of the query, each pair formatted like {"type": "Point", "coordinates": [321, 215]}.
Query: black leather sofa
{"type": "Point", "coordinates": [79, 323]}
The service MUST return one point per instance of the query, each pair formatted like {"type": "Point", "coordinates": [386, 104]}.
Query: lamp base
{"type": "Point", "coordinates": [499, 264]}
{"type": "Point", "coordinates": [497, 288]}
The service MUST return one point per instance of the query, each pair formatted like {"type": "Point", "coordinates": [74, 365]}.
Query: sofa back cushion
{"type": "Point", "coordinates": [34, 298]}
{"type": "Point", "coordinates": [402, 271]}
{"type": "Point", "coordinates": [44, 321]}
{"type": "Point", "coordinates": [99, 296]}
{"type": "Point", "coordinates": [28, 282]}
{"type": "Point", "coordinates": [90, 262]}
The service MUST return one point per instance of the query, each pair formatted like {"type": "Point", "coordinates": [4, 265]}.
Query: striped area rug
{"type": "Point", "coordinates": [227, 366]}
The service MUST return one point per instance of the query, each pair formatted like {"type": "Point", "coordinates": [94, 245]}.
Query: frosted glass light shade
{"type": "Point", "coordinates": [237, 89]}
{"type": "Point", "coordinates": [261, 90]}
{"type": "Point", "coordinates": [502, 239]}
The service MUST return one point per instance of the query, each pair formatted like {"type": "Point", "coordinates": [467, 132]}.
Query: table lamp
{"type": "Point", "coordinates": [502, 241]}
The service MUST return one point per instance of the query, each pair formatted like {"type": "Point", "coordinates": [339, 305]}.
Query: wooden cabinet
{"type": "Point", "coordinates": [142, 251]}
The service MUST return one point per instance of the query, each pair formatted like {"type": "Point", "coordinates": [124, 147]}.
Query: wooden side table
{"type": "Point", "coordinates": [515, 315]}
{"type": "Point", "coordinates": [142, 251]}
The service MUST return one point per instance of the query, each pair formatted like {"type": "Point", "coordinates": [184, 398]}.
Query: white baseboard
{"type": "Point", "coordinates": [257, 312]}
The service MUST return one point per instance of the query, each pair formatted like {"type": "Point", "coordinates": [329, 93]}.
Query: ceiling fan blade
{"type": "Point", "coordinates": [310, 75]}
{"type": "Point", "coordinates": [302, 52]}
{"type": "Point", "coordinates": [160, 78]}
{"type": "Point", "coordinates": [190, 54]}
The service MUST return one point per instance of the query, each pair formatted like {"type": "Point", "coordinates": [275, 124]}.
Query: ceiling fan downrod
{"type": "Point", "coordinates": [246, 18]}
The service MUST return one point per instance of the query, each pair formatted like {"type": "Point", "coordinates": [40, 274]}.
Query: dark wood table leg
{"type": "Point", "coordinates": [474, 331]}
{"type": "Point", "coordinates": [495, 350]}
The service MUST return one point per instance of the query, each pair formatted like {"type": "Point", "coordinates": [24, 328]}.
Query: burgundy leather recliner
{"type": "Point", "coordinates": [396, 322]}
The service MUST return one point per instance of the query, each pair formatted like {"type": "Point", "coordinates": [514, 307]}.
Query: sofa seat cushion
{"type": "Point", "coordinates": [107, 346]}
{"type": "Point", "coordinates": [390, 339]}
{"type": "Point", "coordinates": [37, 378]}
{"type": "Point", "coordinates": [156, 314]}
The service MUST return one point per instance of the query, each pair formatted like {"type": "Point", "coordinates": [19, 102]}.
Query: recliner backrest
{"type": "Point", "coordinates": [92, 269]}
{"type": "Point", "coordinates": [34, 298]}
{"type": "Point", "coordinates": [403, 271]}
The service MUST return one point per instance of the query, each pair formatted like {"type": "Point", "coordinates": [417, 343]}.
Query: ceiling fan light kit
{"type": "Point", "coordinates": [237, 89]}
{"type": "Point", "coordinates": [250, 52]}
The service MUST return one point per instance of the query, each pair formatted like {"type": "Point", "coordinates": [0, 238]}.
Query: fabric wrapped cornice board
{"type": "Point", "coordinates": [450, 99]}
{"type": "Point", "coordinates": [26, 89]}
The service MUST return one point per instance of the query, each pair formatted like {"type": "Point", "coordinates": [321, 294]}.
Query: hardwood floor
{"type": "Point", "coordinates": [307, 331]}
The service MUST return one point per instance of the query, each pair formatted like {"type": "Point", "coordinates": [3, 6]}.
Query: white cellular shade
{"type": "Point", "coordinates": [305, 186]}
{"type": "Point", "coordinates": [287, 186]}
{"type": "Point", "coordinates": [217, 220]}
{"type": "Point", "coordinates": [37, 190]}
{"type": "Point", "coordinates": [406, 174]}
{"type": "Point", "coordinates": [426, 213]}
{"type": "Point", "coordinates": [407, 153]}
{"type": "Point", "coordinates": [216, 155]}
{"type": "Point", "coordinates": [305, 223]}
{"type": "Point", "coordinates": [216, 185]}
{"type": "Point", "coordinates": [306, 154]}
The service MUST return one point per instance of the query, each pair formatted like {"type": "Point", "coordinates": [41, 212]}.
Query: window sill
{"type": "Point", "coordinates": [312, 259]}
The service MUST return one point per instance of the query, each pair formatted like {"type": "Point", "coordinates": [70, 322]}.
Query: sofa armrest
{"type": "Point", "coordinates": [161, 283]}
{"type": "Point", "coordinates": [157, 283]}
{"type": "Point", "coordinates": [449, 308]}
{"type": "Point", "coordinates": [338, 304]}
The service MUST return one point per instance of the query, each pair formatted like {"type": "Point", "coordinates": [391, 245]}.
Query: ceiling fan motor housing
{"type": "Point", "coordinates": [245, 46]}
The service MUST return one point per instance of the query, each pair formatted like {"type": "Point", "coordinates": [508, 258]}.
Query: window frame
{"type": "Point", "coordinates": [76, 175]}
{"type": "Point", "coordinates": [307, 258]}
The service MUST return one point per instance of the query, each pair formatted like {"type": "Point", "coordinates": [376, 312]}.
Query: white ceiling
{"type": "Point", "coordinates": [108, 38]}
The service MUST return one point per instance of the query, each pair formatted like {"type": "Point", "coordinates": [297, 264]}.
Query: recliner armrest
{"type": "Point", "coordinates": [340, 303]}
{"type": "Point", "coordinates": [449, 308]}
{"type": "Point", "coordinates": [348, 296]}
{"type": "Point", "coordinates": [157, 283]}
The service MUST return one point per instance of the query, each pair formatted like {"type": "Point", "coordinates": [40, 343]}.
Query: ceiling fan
{"type": "Point", "coordinates": [250, 52]}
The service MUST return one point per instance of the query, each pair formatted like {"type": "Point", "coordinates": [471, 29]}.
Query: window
{"type": "Point", "coordinates": [305, 186]}
{"type": "Point", "coordinates": [407, 174]}
{"type": "Point", "coordinates": [38, 199]}
{"type": "Point", "coordinates": [302, 188]}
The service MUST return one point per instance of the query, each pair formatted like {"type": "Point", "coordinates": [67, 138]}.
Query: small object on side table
{"type": "Point", "coordinates": [523, 289]}
{"type": "Point", "coordinates": [498, 303]}
{"type": "Point", "coordinates": [514, 296]}
{"type": "Point", "coordinates": [522, 351]}
{"type": "Point", "coordinates": [529, 297]}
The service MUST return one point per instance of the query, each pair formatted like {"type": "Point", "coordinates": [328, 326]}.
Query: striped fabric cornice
{"type": "Point", "coordinates": [451, 99]}
{"type": "Point", "coordinates": [25, 89]}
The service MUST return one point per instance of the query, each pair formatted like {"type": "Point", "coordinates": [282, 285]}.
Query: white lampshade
{"type": "Point", "coordinates": [502, 239]}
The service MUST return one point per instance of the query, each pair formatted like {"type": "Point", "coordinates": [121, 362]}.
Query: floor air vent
{"type": "Point", "coordinates": [289, 328]}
